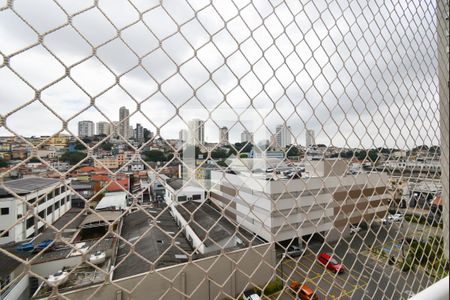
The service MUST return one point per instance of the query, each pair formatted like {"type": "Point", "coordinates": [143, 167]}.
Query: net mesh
{"type": "Point", "coordinates": [201, 149]}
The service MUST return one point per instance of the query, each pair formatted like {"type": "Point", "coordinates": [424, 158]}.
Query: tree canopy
{"type": "Point", "coordinates": [73, 157]}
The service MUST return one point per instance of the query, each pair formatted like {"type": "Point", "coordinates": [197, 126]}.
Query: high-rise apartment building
{"type": "Point", "coordinates": [310, 137]}
{"type": "Point", "coordinates": [130, 132]}
{"type": "Point", "coordinates": [85, 129]}
{"type": "Point", "coordinates": [223, 136]}
{"type": "Point", "coordinates": [124, 122]}
{"type": "Point", "coordinates": [196, 132]}
{"type": "Point", "coordinates": [103, 128]}
{"type": "Point", "coordinates": [246, 136]}
{"type": "Point", "coordinates": [183, 135]}
{"type": "Point", "coordinates": [139, 133]}
{"type": "Point", "coordinates": [283, 136]}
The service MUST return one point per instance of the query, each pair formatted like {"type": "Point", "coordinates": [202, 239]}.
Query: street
{"type": "Point", "coordinates": [364, 277]}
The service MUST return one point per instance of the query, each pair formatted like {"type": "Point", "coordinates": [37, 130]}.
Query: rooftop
{"type": "Point", "coordinates": [178, 183]}
{"type": "Point", "coordinates": [116, 201]}
{"type": "Point", "coordinates": [154, 242]}
{"type": "Point", "coordinates": [211, 226]}
{"type": "Point", "coordinates": [27, 185]}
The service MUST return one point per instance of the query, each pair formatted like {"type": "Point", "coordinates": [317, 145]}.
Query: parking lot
{"type": "Point", "coordinates": [328, 285]}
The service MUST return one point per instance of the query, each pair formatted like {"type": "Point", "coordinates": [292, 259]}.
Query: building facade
{"type": "Point", "coordinates": [85, 129]}
{"type": "Point", "coordinates": [246, 136]}
{"type": "Point", "coordinates": [310, 138]}
{"type": "Point", "coordinates": [139, 133]}
{"type": "Point", "coordinates": [103, 128]}
{"type": "Point", "coordinates": [223, 136]}
{"type": "Point", "coordinates": [196, 132]}
{"type": "Point", "coordinates": [282, 209]}
{"type": "Point", "coordinates": [283, 136]}
{"type": "Point", "coordinates": [53, 200]}
{"type": "Point", "coordinates": [124, 122]}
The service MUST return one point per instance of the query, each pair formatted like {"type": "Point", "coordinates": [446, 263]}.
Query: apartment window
{"type": "Point", "coordinates": [182, 198]}
{"type": "Point", "coordinates": [42, 214]}
{"type": "Point", "coordinates": [49, 210]}
{"type": "Point", "coordinates": [31, 201]}
{"type": "Point", "coordinates": [57, 192]}
{"type": "Point", "coordinates": [196, 197]}
{"type": "Point", "coordinates": [56, 205]}
{"type": "Point", "coordinates": [4, 211]}
{"type": "Point", "coordinates": [49, 195]}
{"type": "Point", "coordinates": [4, 233]}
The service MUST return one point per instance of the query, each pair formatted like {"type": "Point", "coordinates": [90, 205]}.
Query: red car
{"type": "Point", "coordinates": [330, 263]}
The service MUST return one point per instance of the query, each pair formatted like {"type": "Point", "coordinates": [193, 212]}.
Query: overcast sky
{"type": "Point", "coordinates": [360, 75]}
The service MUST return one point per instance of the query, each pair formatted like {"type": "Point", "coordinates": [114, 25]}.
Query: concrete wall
{"type": "Point", "coordinates": [215, 277]}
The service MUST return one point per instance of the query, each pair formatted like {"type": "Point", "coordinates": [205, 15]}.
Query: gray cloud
{"type": "Point", "coordinates": [360, 75]}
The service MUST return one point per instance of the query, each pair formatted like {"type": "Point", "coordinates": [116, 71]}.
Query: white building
{"type": "Point", "coordinates": [85, 129]}
{"type": "Point", "coordinates": [103, 128]}
{"type": "Point", "coordinates": [310, 138]}
{"type": "Point", "coordinates": [178, 191]}
{"type": "Point", "coordinates": [196, 132]}
{"type": "Point", "coordinates": [53, 198]}
{"type": "Point", "coordinates": [223, 136]}
{"type": "Point", "coordinates": [246, 136]}
{"type": "Point", "coordinates": [283, 136]}
{"type": "Point", "coordinates": [280, 209]}
{"type": "Point", "coordinates": [124, 122]}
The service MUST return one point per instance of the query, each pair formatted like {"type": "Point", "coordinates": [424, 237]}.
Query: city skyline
{"type": "Point", "coordinates": [331, 104]}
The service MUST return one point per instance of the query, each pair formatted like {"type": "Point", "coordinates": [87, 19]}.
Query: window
{"type": "Point", "coordinates": [30, 222]}
{"type": "Point", "coordinates": [4, 211]}
{"type": "Point", "coordinates": [57, 192]}
{"type": "Point", "coordinates": [31, 201]}
{"type": "Point", "coordinates": [42, 214]}
{"type": "Point", "coordinates": [49, 195]}
{"type": "Point", "coordinates": [4, 234]}
{"type": "Point", "coordinates": [56, 205]}
{"type": "Point", "coordinates": [63, 189]}
{"type": "Point", "coordinates": [182, 198]}
{"type": "Point", "coordinates": [196, 197]}
{"type": "Point", "coordinates": [49, 210]}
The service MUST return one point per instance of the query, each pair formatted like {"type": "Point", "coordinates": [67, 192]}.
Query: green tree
{"type": "Point", "coordinates": [219, 154]}
{"type": "Point", "coordinates": [154, 155]}
{"type": "Point", "coordinates": [3, 163]}
{"type": "Point", "coordinates": [293, 151]}
{"type": "Point", "coordinates": [373, 155]}
{"type": "Point", "coordinates": [79, 146]}
{"type": "Point", "coordinates": [73, 157]}
{"type": "Point", "coordinates": [107, 146]}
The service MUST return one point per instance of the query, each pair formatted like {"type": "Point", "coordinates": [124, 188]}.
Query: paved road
{"type": "Point", "coordinates": [365, 276]}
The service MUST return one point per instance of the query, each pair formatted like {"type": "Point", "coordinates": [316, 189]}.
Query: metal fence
{"type": "Point", "coordinates": [201, 149]}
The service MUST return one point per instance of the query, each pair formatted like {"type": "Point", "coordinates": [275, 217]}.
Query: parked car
{"type": "Point", "coordinates": [44, 244]}
{"type": "Point", "coordinates": [354, 229]}
{"type": "Point", "coordinates": [392, 219]}
{"type": "Point", "coordinates": [25, 247]}
{"type": "Point", "coordinates": [294, 251]}
{"type": "Point", "coordinates": [251, 295]}
{"type": "Point", "coordinates": [330, 263]}
{"type": "Point", "coordinates": [303, 292]}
